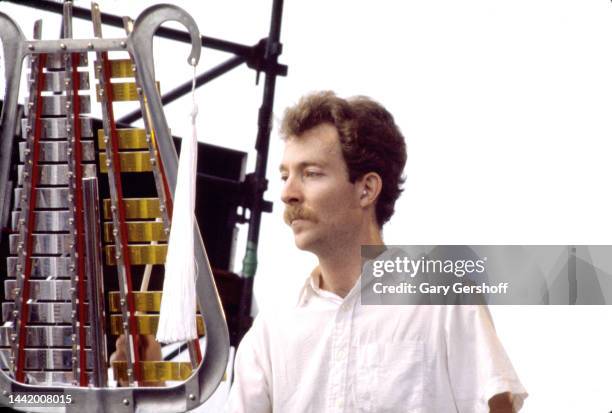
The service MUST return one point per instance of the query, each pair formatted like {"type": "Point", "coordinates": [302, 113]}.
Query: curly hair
{"type": "Point", "coordinates": [369, 138]}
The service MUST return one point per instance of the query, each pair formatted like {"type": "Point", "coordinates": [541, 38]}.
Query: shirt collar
{"type": "Point", "coordinates": [312, 288]}
{"type": "Point", "coordinates": [313, 281]}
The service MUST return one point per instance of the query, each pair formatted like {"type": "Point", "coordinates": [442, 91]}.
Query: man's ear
{"type": "Point", "coordinates": [369, 186]}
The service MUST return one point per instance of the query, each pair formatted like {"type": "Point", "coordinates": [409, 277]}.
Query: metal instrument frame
{"type": "Point", "coordinates": [204, 381]}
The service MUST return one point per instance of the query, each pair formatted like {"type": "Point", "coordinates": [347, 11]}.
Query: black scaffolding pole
{"type": "Point", "coordinates": [258, 178]}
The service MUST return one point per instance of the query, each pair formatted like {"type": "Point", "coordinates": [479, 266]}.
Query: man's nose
{"type": "Point", "coordinates": [292, 191]}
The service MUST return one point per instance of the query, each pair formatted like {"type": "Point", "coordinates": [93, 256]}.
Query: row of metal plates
{"type": "Point", "coordinates": [42, 267]}
{"type": "Point", "coordinates": [55, 105]}
{"type": "Point", "coordinates": [44, 336]}
{"type": "Point", "coordinates": [51, 314]}
{"type": "Point", "coordinates": [48, 313]}
{"type": "Point", "coordinates": [45, 359]}
{"type": "Point", "coordinates": [55, 128]}
{"type": "Point", "coordinates": [56, 60]}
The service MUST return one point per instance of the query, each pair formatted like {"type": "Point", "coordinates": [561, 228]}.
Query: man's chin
{"type": "Point", "coordinates": [301, 245]}
{"type": "Point", "coordinates": [303, 242]}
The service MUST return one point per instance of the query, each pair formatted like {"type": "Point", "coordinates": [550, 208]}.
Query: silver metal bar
{"type": "Point", "coordinates": [122, 268]}
{"type": "Point", "coordinates": [153, 156]}
{"type": "Point", "coordinates": [52, 378]}
{"type": "Point", "coordinates": [93, 254]}
{"type": "Point", "coordinates": [41, 289]}
{"type": "Point", "coordinates": [76, 264]}
{"type": "Point", "coordinates": [58, 151]}
{"type": "Point", "coordinates": [54, 81]}
{"type": "Point", "coordinates": [42, 267]}
{"type": "Point", "coordinates": [5, 211]}
{"type": "Point", "coordinates": [46, 221]}
{"type": "Point", "coordinates": [55, 128]}
{"type": "Point", "coordinates": [55, 105]}
{"type": "Point", "coordinates": [43, 244]}
{"type": "Point", "coordinates": [37, 31]}
{"type": "Point", "coordinates": [42, 312]}
{"type": "Point", "coordinates": [67, 15]}
{"type": "Point", "coordinates": [56, 60]}
{"type": "Point", "coordinates": [75, 45]}
{"type": "Point", "coordinates": [44, 336]}
{"type": "Point", "coordinates": [56, 174]}
{"type": "Point", "coordinates": [159, 185]}
{"type": "Point", "coordinates": [49, 359]}
{"type": "Point", "coordinates": [46, 198]}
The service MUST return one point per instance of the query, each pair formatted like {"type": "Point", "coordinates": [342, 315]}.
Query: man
{"type": "Point", "coordinates": [342, 172]}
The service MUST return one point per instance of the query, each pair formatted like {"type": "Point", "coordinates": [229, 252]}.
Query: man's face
{"type": "Point", "coordinates": [322, 206]}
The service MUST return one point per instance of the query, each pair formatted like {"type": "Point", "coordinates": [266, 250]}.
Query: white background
{"type": "Point", "coordinates": [506, 111]}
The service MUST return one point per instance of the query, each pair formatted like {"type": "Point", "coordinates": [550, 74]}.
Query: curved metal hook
{"type": "Point", "coordinates": [149, 21]}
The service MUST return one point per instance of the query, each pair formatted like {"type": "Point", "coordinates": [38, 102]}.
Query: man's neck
{"type": "Point", "coordinates": [341, 267]}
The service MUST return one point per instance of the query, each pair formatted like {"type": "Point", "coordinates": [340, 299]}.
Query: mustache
{"type": "Point", "coordinates": [298, 212]}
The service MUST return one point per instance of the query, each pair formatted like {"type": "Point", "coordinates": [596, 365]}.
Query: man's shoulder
{"type": "Point", "coordinates": [270, 319]}
{"type": "Point", "coordinates": [274, 330]}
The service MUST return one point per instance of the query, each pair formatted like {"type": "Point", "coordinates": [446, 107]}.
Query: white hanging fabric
{"type": "Point", "coordinates": [177, 320]}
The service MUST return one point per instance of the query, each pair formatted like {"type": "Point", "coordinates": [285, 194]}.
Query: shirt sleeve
{"type": "Point", "coordinates": [250, 391]}
{"type": "Point", "coordinates": [478, 365]}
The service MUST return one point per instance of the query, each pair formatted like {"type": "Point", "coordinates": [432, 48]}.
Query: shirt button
{"type": "Point", "coordinates": [341, 354]}
{"type": "Point", "coordinates": [340, 404]}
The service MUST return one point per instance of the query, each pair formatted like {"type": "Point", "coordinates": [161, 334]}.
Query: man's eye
{"type": "Point", "coordinates": [311, 174]}
{"type": "Point", "coordinates": [284, 178]}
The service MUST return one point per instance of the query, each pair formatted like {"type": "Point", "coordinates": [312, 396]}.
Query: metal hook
{"type": "Point", "coordinates": [140, 47]}
{"type": "Point", "coordinates": [149, 21]}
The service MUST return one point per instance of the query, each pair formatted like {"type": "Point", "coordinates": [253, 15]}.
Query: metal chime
{"type": "Point", "coordinates": [65, 239]}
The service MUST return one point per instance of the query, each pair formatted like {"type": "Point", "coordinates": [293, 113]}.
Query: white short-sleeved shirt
{"type": "Point", "coordinates": [334, 355]}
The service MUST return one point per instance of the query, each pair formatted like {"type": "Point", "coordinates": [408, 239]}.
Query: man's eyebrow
{"type": "Point", "coordinates": [305, 164]}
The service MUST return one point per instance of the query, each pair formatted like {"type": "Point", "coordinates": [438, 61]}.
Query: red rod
{"type": "Point", "coordinates": [80, 224]}
{"type": "Point", "coordinates": [29, 242]}
{"type": "Point", "coordinates": [169, 205]}
{"type": "Point", "coordinates": [106, 66]}
{"type": "Point", "coordinates": [196, 343]}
